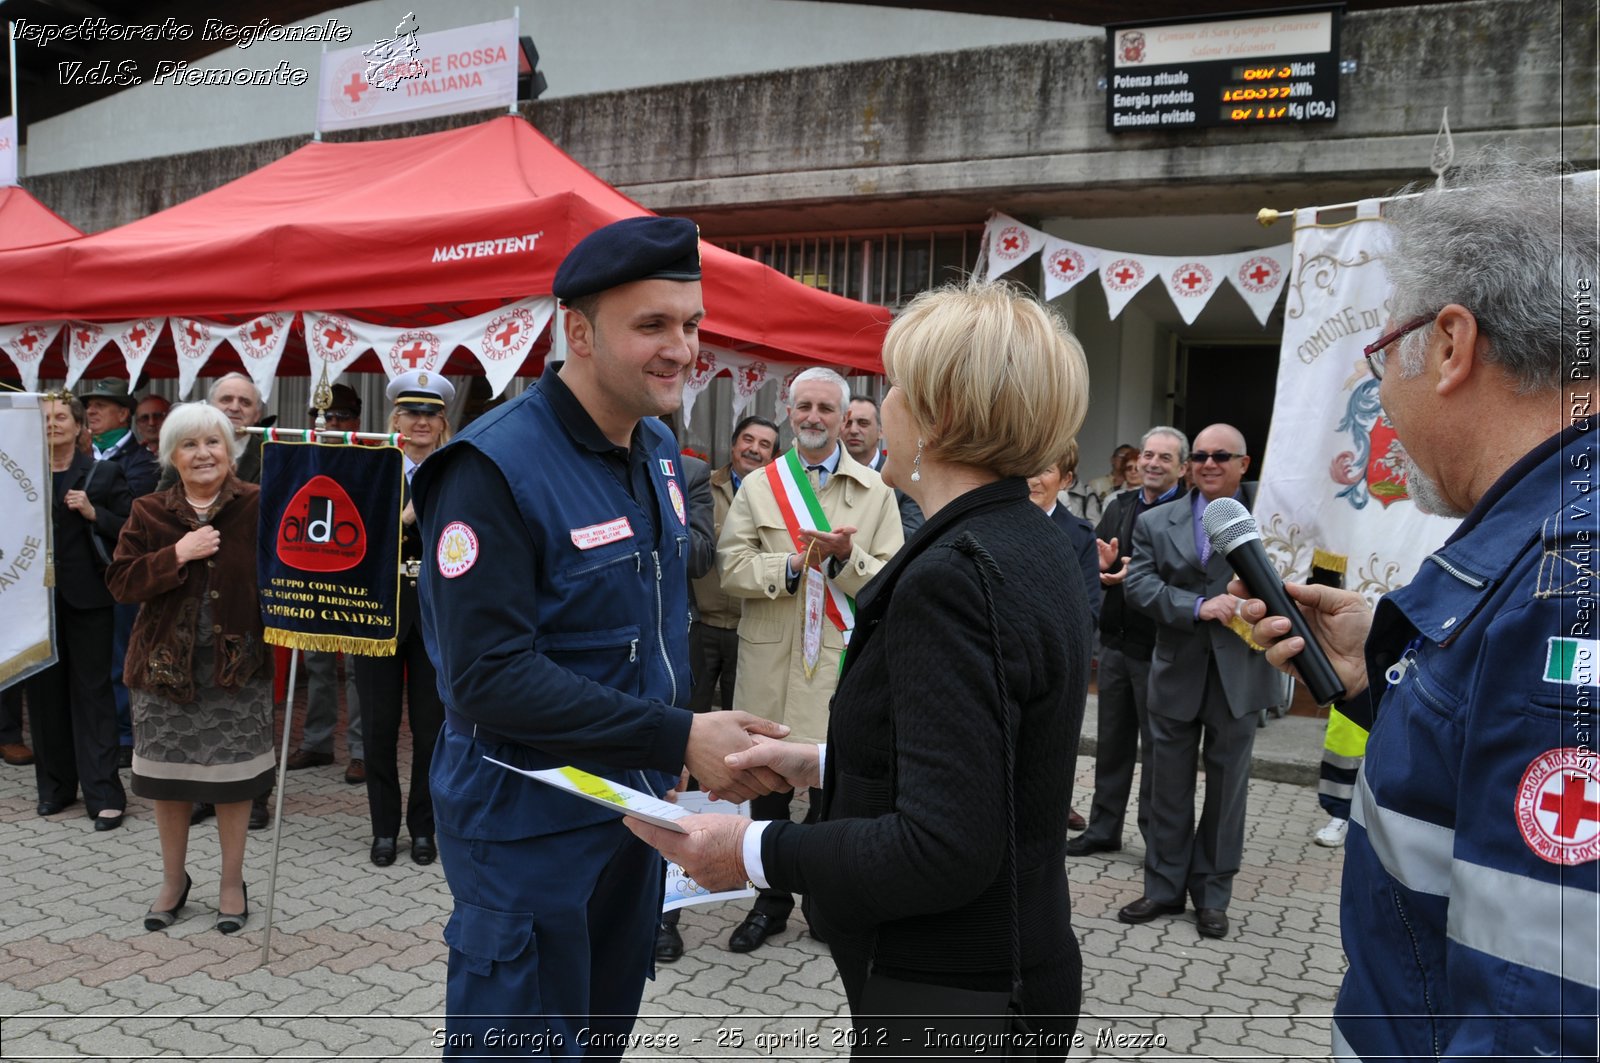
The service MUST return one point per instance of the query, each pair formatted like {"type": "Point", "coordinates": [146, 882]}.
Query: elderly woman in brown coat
{"type": "Point", "coordinates": [199, 674]}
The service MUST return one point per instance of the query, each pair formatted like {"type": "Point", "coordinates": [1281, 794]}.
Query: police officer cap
{"type": "Point", "coordinates": [634, 249]}
{"type": "Point", "coordinates": [421, 391]}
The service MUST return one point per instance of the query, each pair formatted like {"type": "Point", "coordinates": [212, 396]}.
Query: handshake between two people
{"type": "Point", "coordinates": [735, 756]}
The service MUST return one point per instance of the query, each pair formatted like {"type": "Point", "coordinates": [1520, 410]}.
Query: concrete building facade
{"type": "Point", "coordinates": [873, 177]}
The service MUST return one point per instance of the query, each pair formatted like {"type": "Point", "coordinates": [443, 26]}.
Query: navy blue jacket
{"type": "Point", "coordinates": [1469, 908]}
{"type": "Point", "coordinates": [556, 609]}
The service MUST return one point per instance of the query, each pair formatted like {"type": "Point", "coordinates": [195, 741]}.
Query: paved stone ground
{"type": "Point", "coordinates": [357, 968]}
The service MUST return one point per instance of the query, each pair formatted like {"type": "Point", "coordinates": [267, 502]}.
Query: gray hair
{"type": "Point", "coordinates": [1509, 241]}
{"type": "Point", "coordinates": [817, 372]}
{"type": "Point", "coordinates": [191, 420]}
{"type": "Point", "coordinates": [211, 395]}
{"type": "Point", "coordinates": [1167, 430]}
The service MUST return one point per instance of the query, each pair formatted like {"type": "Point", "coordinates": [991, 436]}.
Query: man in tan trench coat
{"type": "Point", "coordinates": [761, 562]}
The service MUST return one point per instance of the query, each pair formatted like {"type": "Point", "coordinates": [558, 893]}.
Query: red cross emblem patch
{"type": "Point", "coordinates": [1259, 274]}
{"type": "Point", "coordinates": [1066, 265]}
{"type": "Point", "coordinates": [1012, 244]}
{"type": "Point", "coordinates": [417, 349]}
{"type": "Point", "coordinates": [1558, 806]}
{"type": "Point", "coordinates": [1192, 279]}
{"type": "Point", "coordinates": [1124, 275]}
{"type": "Point", "coordinates": [510, 333]}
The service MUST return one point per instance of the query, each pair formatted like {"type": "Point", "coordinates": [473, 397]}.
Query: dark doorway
{"type": "Point", "coordinates": [1235, 384]}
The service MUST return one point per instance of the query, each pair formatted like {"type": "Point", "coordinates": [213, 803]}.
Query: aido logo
{"type": "Point", "coordinates": [321, 530]}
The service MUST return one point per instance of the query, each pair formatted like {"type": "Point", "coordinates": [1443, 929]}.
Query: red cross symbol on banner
{"type": "Point", "coordinates": [1260, 274]}
{"type": "Point", "coordinates": [1571, 807]}
{"type": "Point", "coordinates": [1065, 264]}
{"type": "Point", "coordinates": [1193, 280]}
{"type": "Point", "coordinates": [357, 86]}
{"type": "Point", "coordinates": [84, 335]}
{"type": "Point", "coordinates": [28, 339]}
{"type": "Point", "coordinates": [194, 333]}
{"type": "Point", "coordinates": [1011, 243]}
{"type": "Point", "coordinates": [261, 333]}
{"type": "Point", "coordinates": [1124, 275]}
{"type": "Point", "coordinates": [508, 334]}
{"type": "Point", "coordinates": [414, 354]}
{"type": "Point", "coordinates": [334, 335]}
{"type": "Point", "coordinates": [137, 335]}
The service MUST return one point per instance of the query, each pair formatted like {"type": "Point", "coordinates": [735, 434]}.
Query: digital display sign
{"type": "Point", "coordinates": [1262, 68]}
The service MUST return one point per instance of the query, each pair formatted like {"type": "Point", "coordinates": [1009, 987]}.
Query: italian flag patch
{"type": "Point", "coordinates": [1572, 662]}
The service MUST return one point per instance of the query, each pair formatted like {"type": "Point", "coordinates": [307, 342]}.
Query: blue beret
{"type": "Point", "coordinates": [634, 249]}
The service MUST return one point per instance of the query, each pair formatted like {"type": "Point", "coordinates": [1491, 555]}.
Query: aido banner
{"type": "Point", "coordinates": [328, 548]}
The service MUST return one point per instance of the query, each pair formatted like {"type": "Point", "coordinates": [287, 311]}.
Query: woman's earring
{"type": "Point", "coordinates": [916, 464]}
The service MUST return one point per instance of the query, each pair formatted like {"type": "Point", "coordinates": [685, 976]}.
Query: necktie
{"type": "Point", "coordinates": [816, 473]}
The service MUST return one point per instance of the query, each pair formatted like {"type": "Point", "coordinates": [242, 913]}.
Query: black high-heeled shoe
{"type": "Point", "coordinates": [230, 923]}
{"type": "Point", "coordinates": [156, 920]}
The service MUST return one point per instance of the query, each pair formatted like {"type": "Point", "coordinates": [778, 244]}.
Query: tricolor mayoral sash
{"type": "Point", "coordinates": [328, 547]}
{"type": "Point", "coordinates": [797, 502]}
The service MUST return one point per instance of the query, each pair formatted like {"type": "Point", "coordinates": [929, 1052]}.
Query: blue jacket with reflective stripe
{"type": "Point", "coordinates": [1469, 907]}
{"type": "Point", "coordinates": [568, 635]}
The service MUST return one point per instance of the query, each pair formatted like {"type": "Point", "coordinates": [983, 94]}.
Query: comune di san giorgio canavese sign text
{"type": "Point", "coordinates": [1228, 72]}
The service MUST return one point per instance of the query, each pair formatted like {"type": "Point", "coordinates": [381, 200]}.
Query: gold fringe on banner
{"type": "Point", "coordinates": [21, 662]}
{"type": "Point", "coordinates": [1332, 562]}
{"type": "Point", "coordinates": [1237, 625]}
{"type": "Point", "coordinates": [300, 640]}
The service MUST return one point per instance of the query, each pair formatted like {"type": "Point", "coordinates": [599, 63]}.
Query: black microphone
{"type": "Point", "coordinates": [1234, 534]}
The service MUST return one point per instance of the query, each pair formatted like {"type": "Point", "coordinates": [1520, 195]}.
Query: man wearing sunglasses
{"type": "Point", "coordinates": [1471, 894]}
{"type": "Point", "coordinates": [1207, 688]}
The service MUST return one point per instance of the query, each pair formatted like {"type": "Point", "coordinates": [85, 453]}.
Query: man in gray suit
{"type": "Point", "coordinates": [1207, 687]}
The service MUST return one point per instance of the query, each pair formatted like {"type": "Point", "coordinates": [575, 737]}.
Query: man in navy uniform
{"type": "Point", "coordinates": [555, 603]}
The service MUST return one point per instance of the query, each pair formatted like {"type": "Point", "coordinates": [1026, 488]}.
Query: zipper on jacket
{"type": "Point", "coordinates": [1422, 969]}
{"type": "Point", "coordinates": [1465, 577]}
{"type": "Point", "coordinates": [633, 651]}
{"type": "Point", "coordinates": [661, 633]}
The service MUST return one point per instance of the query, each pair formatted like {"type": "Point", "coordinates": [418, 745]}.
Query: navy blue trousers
{"type": "Point", "coordinates": [550, 942]}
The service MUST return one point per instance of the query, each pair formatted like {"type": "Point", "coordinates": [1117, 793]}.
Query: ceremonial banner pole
{"type": "Point", "coordinates": [327, 558]}
{"type": "Point", "coordinates": [277, 826]}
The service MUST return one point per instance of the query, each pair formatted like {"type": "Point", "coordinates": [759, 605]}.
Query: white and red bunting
{"type": "Point", "coordinates": [1065, 264]}
{"type": "Point", "coordinates": [1192, 282]}
{"type": "Point", "coordinates": [136, 339]}
{"type": "Point", "coordinates": [507, 336]}
{"type": "Point", "coordinates": [195, 340]}
{"type": "Point", "coordinates": [706, 365]}
{"type": "Point", "coordinates": [748, 374]}
{"type": "Point", "coordinates": [1010, 243]}
{"type": "Point", "coordinates": [332, 343]}
{"type": "Point", "coordinates": [1260, 276]}
{"type": "Point", "coordinates": [25, 345]}
{"type": "Point", "coordinates": [1124, 276]}
{"type": "Point", "coordinates": [259, 343]}
{"type": "Point", "coordinates": [84, 340]}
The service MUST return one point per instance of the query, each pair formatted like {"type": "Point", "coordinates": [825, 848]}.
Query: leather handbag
{"type": "Point", "coordinates": [94, 533]}
{"type": "Point", "coordinates": [902, 1018]}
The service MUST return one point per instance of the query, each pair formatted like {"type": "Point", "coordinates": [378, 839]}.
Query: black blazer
{"type": "Point", "coordinates": [911, 847]}
{"type": "Point", "coordinates": [1080, 533]}
{"type": "Point", "coordinates": [80, 574]}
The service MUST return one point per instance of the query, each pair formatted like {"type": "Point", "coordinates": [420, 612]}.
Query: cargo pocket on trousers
{"type": "Point", "coordinates": [485, 937]}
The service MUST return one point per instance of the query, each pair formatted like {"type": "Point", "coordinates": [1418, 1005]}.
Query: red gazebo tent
{"type": "Point", "coordinates": [25, 222]}
{"type": "Point", "coordinates": [399, 233]}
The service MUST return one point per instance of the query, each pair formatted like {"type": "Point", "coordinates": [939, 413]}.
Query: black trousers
{"type": "Point", "coordinates": [380, 684]}
{"type": "Point", "coordinates": [73, 716]}
{"type": "Point", "coordinates": [713, 662]}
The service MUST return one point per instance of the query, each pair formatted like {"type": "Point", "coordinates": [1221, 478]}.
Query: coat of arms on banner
{"type": "Point", "coordinates": [1376, 467]}
{"type": "Point", "coordinates": [1130, 46]}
